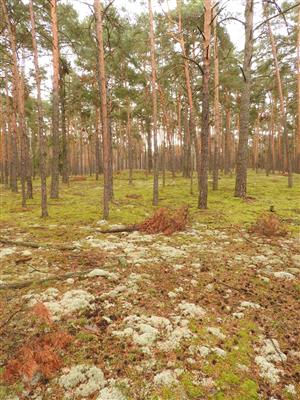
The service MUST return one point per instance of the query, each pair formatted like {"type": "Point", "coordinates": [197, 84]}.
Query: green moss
{"type": "Point", "coordinates": [165, 393]}
{"type": "Point", "coordinates": [247, 390]}
{"type": "Point", "coordinates": [192, 391]}
{"type": "Point", "coordinates": [86, 337]}
{"type": "Point", "coordinates": [80, 204]}
{"type": "Point", "coordinates": [229, 378]}
{"type": "Point", "coordinates": [12, 390]}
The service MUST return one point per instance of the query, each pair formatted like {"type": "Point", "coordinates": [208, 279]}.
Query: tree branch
{"type": "Point", "coordinates": [277, 15]}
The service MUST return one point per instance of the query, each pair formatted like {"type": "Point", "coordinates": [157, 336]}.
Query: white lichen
{"type": "Point", "coordinates": [7, 251]}
{"type": "Point", "coordinates": [249, 304]}
{"type": "Point", "coordinates": [70, 302]}
{"type": "Point", "coordinates": [269, 355]}
{"type": "Point", "coordinates": [284, 275]}
{"type": "Point", "coordinates": [216, 332]}
{"type": "Point", "coordinates": [291, 389]}
{"type": "Point", "coordinates": [83, 380]}
{"type": "Point", "coordinates": [110, 393]}
{"type": "Point", "coordinates": [101, 272]}
{"type": "Point", "coordinates": [191, 310]}
{"type": "Point", "coordinates": [166, 378]}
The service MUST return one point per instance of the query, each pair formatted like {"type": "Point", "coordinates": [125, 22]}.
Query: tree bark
{"type": "Point", "coordinates": [283, 121]}
{"type": "Point", "coordinates": [12, 126]}
{"type": "Point", "coordinates": [149, 146]}
{"type": "Point", "coordinates": [192, 126]}
{"type": "Point", "coordinates": [216, 165]}
{"type": "Point", "coordinates": [18, 100]}
{"type": "Point", "coordinates": [55, 103]}
{"type": "Point", "coordinates": [228, 144]}
{"type": "Point", "coordinates": [64, 143]}
{"type": "Point", "coordinates": [41, 134]}
{"type": "Point", "coordinates": [129, 141]}
{"type": "Point", "coordinates": [104, 116]}
{"type": "Point", "coordinates": [97, 142]}
{"type": "Point", "coordinates": [203, 192]}
{"type": "Point", "coordinates": [154, 105]}
{"type": "Point", "coordinates": [244, 116]}
{"type": "Point", "coordinates": [298, 89]}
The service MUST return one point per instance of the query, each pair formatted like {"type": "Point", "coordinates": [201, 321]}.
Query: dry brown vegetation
{"type": "Point", "coordinates": [268, 224]}
{"type": "Point", "coordinates": [39, 355]}
{"type": "Point", "coordinates": [166, 221]}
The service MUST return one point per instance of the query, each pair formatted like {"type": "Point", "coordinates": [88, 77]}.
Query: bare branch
{"type": "Point", "coordinates": [277, 15]}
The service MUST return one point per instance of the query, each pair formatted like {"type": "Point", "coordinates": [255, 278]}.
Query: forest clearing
{"type": "Point", "coordinates": [149, 200]}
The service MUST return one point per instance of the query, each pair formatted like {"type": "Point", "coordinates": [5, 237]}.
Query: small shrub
{"type": "Point", "coordinates": [268, 224]}
{"type": "Point", "coordinates": [165, 221]}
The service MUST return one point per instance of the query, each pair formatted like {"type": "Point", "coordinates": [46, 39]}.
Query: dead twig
{"type": "Point", "coordinates": [37, 245]}
{"type": "Point", "coordinates": [28, 283]}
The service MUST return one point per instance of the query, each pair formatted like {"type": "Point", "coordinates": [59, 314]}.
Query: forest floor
{"type": "Point", "coordinates": [208, 313]}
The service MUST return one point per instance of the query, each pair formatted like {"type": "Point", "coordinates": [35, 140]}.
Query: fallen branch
{"type": "Point", "coordinates": [37, 245]}
{"type": "Point", "coordinates": [24, 284]}
{"type": "Point", "coordinates": [129, 228]}
{"type": "Point", "coordinates": [164, 221]}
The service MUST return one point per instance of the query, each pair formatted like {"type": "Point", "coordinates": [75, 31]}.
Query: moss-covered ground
{"type": "Point", "coordinates": [216, 264]}
{"type": "Point", "coordinates": [81, 202]}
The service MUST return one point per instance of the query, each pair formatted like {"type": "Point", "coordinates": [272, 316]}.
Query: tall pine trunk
{"type": "Point", "coordinates": [41, 134]}
{"type": "Point", "coordinates": [216, 107]}
{"type": "Point", "coordinates": [244, 116]}
{"type": "Point", "coordinates": [203, 178]}
{"type": "Point", "coordinates": [192, 127]}
{"type": "Point", "coordinates": [12, 128]}
{"type": "Point", "coordinates": [283, 121]}
{"type": "Point", "coordinates": [64, 142]}
{"type": "Point", "coordinates": [104, 115]}
{"type": "Point", "coordinates": [154, 106]}
{"type": "Point", "coordinates": [298, 89]}
{"type": "Point", "coordinates": [55, 103]}
{"type": "Point", "coordinates": [18, 102]}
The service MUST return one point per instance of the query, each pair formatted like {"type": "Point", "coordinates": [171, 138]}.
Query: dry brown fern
{"type": "Point", "coordinates": [40, 354]}
{"type": "Point", "coordinates": [42, 313]}
{"type": "Point", "coordinates": [165, 221]}
{"type": "Point", "coordinates": [268, 224]}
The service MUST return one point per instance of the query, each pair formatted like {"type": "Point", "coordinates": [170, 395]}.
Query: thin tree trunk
{"type": "Point", "coordinates": [42, 144]}
{"type": "Point", "coordinates": [64, 143]}
{"type": "Point", "coordinates": [149, 146]}
{"type": "Point", "coordinates": [104, 116]}
{"type": "Point", "coordinates": [6, 153]}
{"type": "Point", "coordinates": [18, 101]}
{"type": "Point", "coordinates": [192, 130]}
{"type": "Point", "coordinates": [203, 192]}
{"type": "Point", "coordinates": [154, 106]}
{"type": "Point", "coordinates": [216, 107]}
{"type": "Point", "coordinates": [242, 153]}
{"type": "Point", "coordinates": [12, 128]}
{"type": "Point", "coordinates": [228, 145]}
{"type": "Point", "coordinates": [298, 89]}
{"type": "Point", "coordinates": [287, 152]}
{"type": "Point", "coordinates": [55, 103]}
{"type": "Point", "coordinates": [163, 160]}
{"type": "Point", "coordinates": [97, 142]}
{"type": "Point", "coordinates": [129, 141]}
{"type": "Point", "coordinates": [255, 145]}
{"type": "Point", "coordinates": [26, 142]}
